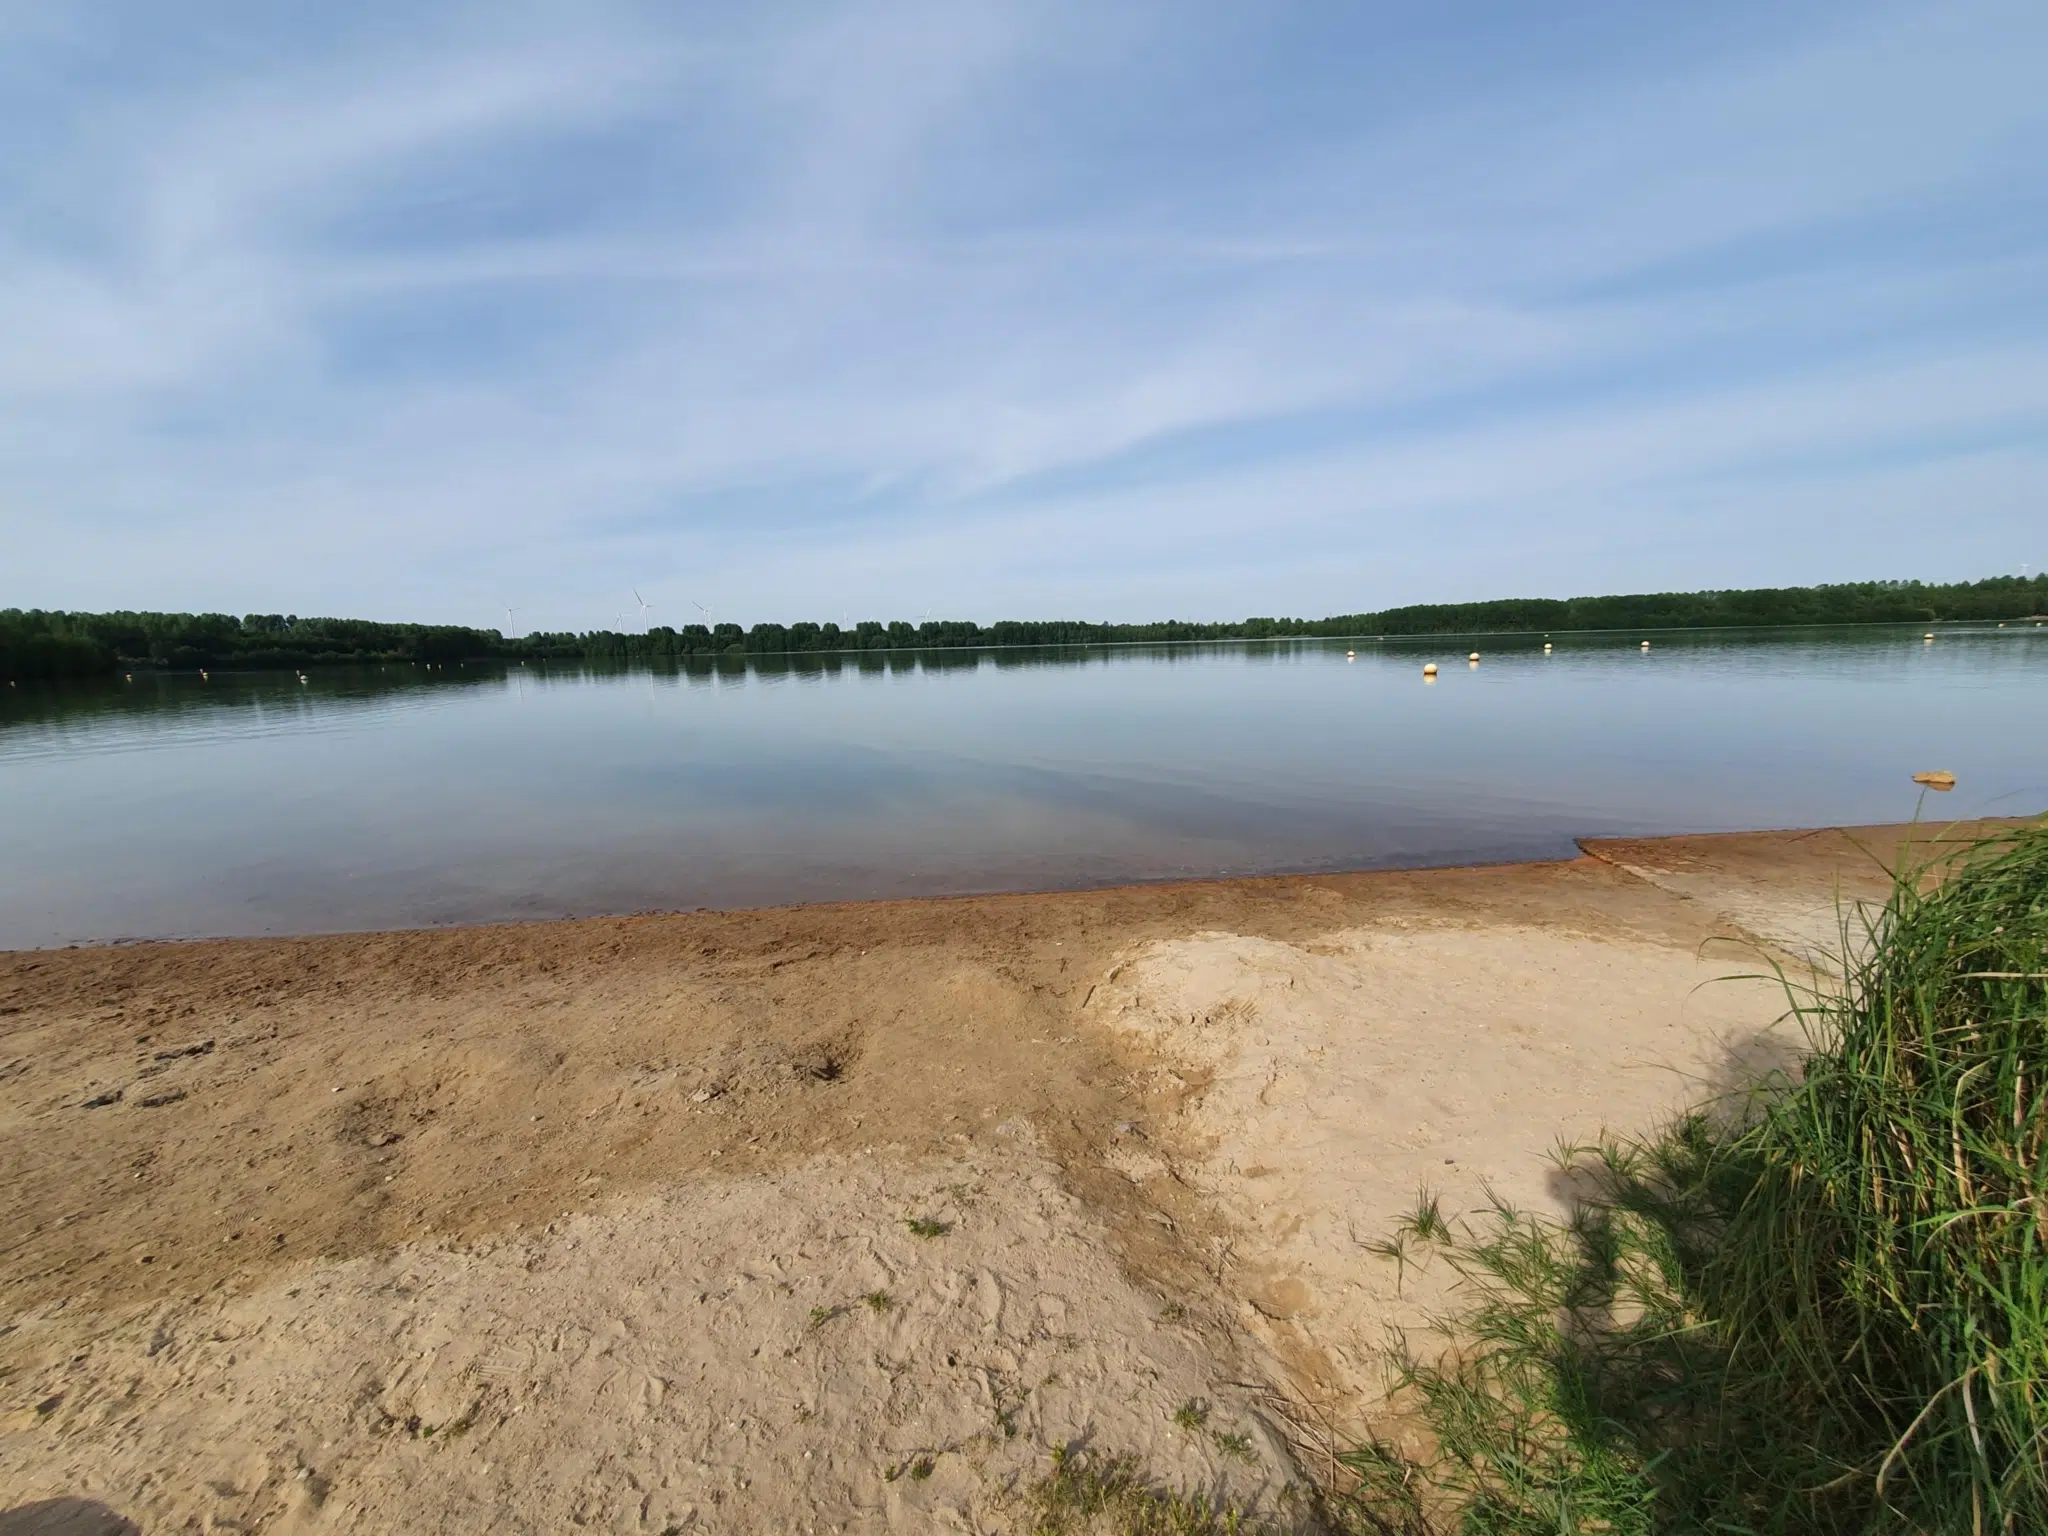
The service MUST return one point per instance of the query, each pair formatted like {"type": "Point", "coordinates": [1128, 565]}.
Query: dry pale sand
{"type": "Point", "coordinates": [607, 1224]}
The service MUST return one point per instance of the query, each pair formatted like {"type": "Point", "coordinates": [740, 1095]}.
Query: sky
{"type": "Point", "coordinates": [1012, 308]}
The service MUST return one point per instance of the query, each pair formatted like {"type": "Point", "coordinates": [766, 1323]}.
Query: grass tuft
{"type": "Point", "coordinates": [878, 1301]}
{"type": "Point", "coordinates": [1095, 1495]}
{"type": "Point", "coordinates": [927, 1226]}
{"type": "Point", "coordinates": [1238, 1445]}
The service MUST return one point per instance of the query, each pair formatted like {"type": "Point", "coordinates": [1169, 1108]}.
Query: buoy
{"type": "Point", "coordinates": [1646, 645]}
{"type": "Point", "coordinates": [1429, 669]}
{"type": "Point", "coordinates": [127, 677]}
{"type": "Point", "coordinates": [1546, 647]}
{"type": "Point", "coordinates": [1929, 636]}
{"type": "Point", "coordinates": [1348, 656]}
{"type": "Point", "coordinates": [1940, 779]}
{"type": "Point", "coordinates": [1473, 657]}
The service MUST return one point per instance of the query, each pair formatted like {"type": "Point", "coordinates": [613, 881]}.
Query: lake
{"type": "Point", "coordinates": [176, 806]}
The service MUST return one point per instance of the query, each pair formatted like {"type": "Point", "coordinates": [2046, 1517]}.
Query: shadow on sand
{"type": "Point", "coordinates": [65, 1517]}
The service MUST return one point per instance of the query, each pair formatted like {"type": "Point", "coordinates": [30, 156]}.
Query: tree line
{"type": "Point", "coordinates": [40, 644]}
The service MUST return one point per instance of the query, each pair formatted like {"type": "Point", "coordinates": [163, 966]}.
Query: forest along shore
{"type": "Point", "coordinates": [838, 1217]}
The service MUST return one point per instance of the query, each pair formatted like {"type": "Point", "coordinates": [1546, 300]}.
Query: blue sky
{"type": "Point", "coordinates": [1013, 309]}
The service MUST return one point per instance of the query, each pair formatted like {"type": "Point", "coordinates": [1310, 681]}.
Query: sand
{"type": "Point", "coordinates": [606, 1224]}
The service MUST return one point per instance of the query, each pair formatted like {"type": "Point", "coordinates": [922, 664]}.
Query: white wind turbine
{"type": "Point", "coordinates": [643, 609]}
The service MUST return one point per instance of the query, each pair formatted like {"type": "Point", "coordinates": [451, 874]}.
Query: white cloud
{"type": "Point", "coordinates": [795, 310]}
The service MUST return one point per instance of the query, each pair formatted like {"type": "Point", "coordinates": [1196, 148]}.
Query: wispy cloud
{"type": "Point", "coordinates": [1005, 308]}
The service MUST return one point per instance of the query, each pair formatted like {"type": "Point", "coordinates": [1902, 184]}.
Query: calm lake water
{"type": "Point", "coordinates": [394, 797]}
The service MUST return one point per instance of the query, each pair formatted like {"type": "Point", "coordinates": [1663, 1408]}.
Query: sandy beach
{"type": "Point", "coordinates": [833, 1218]}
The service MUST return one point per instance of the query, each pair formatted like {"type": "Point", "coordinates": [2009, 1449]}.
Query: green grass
{"type": "Point", "coordinates": [1093, 1495]}
{"type": "Point", "coordinates": [927, 1226]}
{"type": "Point", "coordinates": [1820, 1308]}
{"type": "Point", "coordinates": [878, 1301]}
{"type": "Point", "coordinates": [1238, 1445]}
{"type": "Point", "coordinates": [1191, 1415]}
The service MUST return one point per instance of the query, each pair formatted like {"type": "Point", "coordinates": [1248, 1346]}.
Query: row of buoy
{"type": "Point", "coordinates": [1429, 667]}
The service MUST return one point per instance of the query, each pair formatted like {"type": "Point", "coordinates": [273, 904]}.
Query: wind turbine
{"type": "Point", "coordinates": [708, 624]}
{"type": "Point", "coordinates": [643, 609]}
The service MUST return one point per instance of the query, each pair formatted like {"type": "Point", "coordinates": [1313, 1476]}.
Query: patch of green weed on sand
{"type": "Point", "coordinates": [1093, 1495]}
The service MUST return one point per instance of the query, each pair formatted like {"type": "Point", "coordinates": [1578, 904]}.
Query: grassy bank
{"type": "Point", "coordinates": [1822, 1309]}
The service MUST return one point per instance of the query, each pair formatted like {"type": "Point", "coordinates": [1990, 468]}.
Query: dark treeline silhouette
{"type": "Point", "coordinates": [39, 644]}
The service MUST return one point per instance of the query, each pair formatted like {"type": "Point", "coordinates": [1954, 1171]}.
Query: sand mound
{"type": "Point", "coordinates": [1326, 1084]}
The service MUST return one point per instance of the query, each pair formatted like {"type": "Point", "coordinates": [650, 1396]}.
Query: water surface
{"type": "Point", "coordinates": [386, 797]}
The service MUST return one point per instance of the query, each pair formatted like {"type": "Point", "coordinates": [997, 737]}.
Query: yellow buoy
{"type": "Point", "coordinates": [1473, 657]}
{"type": "Point", "coordinates": [1546, 647]}
{"type": "Point", "coordinates": [1350, 655]}
{"type": "Point", "coordinates": [1646, 645]}
{"type": "Point", "coordinates": [1940, 779]}
{"type": "Point", "coordinates": [1929, 636]}
{"type": "Point", "coordinates": [1429, 669]}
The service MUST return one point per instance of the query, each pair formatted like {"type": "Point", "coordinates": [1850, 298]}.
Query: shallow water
{"type": "Point", "coordinates": [373, 798]}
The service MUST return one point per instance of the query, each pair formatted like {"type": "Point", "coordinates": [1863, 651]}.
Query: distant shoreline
{"type": "Point", "coordinates": [732, 655]}
{"type": "Point", "coordinates": [49, 644]}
